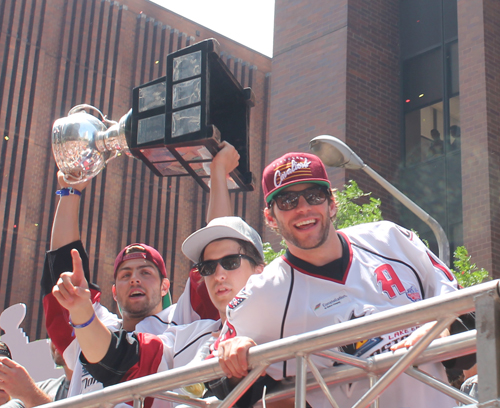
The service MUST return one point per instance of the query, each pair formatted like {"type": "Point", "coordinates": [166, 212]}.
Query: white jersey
{"type": "Point", "coordinates": [384, 266]}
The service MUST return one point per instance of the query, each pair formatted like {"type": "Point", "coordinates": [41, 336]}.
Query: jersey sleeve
{"type": "Point", "coordinates": [258, 310]}
{"type": "Point", "coordinates": [128, 357]}
{"type": "Point", "coordinates": [56, 316]}
{"type": "Point", "coordinates": [437, 279]}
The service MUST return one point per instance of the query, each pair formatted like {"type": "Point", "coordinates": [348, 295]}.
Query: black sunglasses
{"type": "Point", "coordinates": [229, 263]}
{"type": "Point", "coordinates": [289, 200]}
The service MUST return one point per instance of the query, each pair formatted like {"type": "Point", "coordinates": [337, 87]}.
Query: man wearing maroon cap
{"type": "Point", "coordinates": [328, 277]}
{"type": "Point", "coordinates": [139, 272]}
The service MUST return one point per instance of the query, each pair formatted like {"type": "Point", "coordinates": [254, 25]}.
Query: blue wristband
{"type": "Point", "coordinates": [81, 326]}
{"type": "Point", "coordinates": [68, 191]}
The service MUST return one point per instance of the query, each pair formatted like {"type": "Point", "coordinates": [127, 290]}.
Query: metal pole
{"type": "Point", "coordinates": [442, 239]}
{"type": "Point", "coordinates": [300, 382]}
{"type": "Point", "coordinates": [488, 345]}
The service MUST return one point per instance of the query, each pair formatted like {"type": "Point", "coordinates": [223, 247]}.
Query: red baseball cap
{"type": "Point", "coordinates": [143, 252]}
{"type": "Point", "coordinates": [293, 168]}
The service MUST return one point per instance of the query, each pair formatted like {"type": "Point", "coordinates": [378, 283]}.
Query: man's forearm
{"type": "Point", "coordinates": [65, 228]}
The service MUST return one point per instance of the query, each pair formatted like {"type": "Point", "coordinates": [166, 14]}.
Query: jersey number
{"type": "Point", "coordinates": [389, 281]}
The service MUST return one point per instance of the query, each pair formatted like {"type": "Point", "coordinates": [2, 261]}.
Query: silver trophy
{"type": "Point", "coordinates": [83, 144]}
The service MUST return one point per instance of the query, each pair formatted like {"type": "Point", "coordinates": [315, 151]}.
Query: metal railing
{"type": "Point", "coordinates": [444, 309]}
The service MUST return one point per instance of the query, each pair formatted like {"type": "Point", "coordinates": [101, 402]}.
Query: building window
{"type": "Point", "coordinates": [431, 170]}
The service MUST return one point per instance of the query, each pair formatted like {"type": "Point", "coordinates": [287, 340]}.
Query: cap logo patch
{"type": "Point", "coordinates": [292, 169]}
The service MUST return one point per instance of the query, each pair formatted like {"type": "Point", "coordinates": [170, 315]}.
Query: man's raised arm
{"type": "Point", "coordinates": [224, 162]}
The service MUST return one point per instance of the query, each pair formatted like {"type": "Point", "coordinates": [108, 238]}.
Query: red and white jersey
{"type": "Point", "coordinates": [383, 266]}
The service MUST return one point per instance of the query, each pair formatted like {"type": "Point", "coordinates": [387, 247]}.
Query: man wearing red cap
{"type": "Point", "coordinates": [139, 272]}
{"type": "Point", "coordinates": [328, 277]}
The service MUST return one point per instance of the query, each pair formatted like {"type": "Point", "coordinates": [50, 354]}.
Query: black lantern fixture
{"type": "Point", "coordinates": [179, 120]}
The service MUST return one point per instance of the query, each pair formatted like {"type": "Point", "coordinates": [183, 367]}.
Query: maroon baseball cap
{"type": "Point", "coordinates": [293, 168]}
{"type": "Point", "coordinates": [143, 252]}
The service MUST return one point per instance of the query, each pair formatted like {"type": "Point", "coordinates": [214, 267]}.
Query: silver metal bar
{"type": "Point", "coordinates": [344, 358]}
{"type": "Point", "coordinates": [439, 385]}
{"type": "Point", "coordinates": [139, 402]}
{"type": "Point", "coordinates": [441, 349]}
{"type": "Point", "coordinates": [300, 381]}
{"type": "Point", "coordinates": [321, 382]}
{"type": "Point", "coordinates": [244, 385]}
{"type": "Point", "coordinates": [373, 380]}
{"type": "Point", "coordinates": [404, 363]}
{"type": "Point", "coordinates": [488, 345]}
{"type": "Point", "coordinates": [326, 338]}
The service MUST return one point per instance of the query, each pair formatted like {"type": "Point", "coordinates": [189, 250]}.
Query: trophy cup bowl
{"type": "Point", "coordinates": [83, 144]}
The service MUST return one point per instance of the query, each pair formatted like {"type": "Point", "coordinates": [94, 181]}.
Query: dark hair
{"type": "Point", "coordinates": [4, 350]}
{"type": "Point", "coordinates": [247, 248]}
{"type": "Point", "coordinates": [330, 196]}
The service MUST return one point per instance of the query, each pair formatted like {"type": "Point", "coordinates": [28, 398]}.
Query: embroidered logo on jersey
{"type": "Point", "coordinates": [238, 299]}
{"type": "Point", "coordinates": [413, 294]}
{"type": "Point", "coordinates": [330, 303]}
{"type": "Point", "coordinates": [297, 167]}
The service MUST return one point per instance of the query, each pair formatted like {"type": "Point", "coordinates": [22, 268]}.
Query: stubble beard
{"type": "Point", "coordinates": [142, 310]}
{"type": "Point", "coordinates": [304, 243]}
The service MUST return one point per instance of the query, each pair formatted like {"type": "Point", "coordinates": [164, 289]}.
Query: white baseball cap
{"type": "Point", "coordinates": [219, 228]}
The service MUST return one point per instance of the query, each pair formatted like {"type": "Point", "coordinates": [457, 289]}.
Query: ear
{"type": "Point", "coordinates": [113, 289]}
{"type": "Point", "coordinates": [333, 209]}
{"type": "Point", "coordinates": [271, 221]}
{"type": "Point", "coordinates": [258, 269]}
{"type": "Point", "coordinates": [165, 286]}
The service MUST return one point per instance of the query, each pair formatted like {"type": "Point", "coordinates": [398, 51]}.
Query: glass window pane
{"type": "Point", "coordinates": [423, 80]}
{"type": "Point", "coordinates": [186, 93]}
{"type": "Point", "coordinates": [152, 96]}
{"type": "Point", "coordinates": [450, 20]}
{"type": "Point", "coordinates": [186, 66]}
{"type": "Point", "coordinates": [420, 22]}
{"type": "Point", "coordinates": [151, 129]}
{"type": "Point", "coordinates": [452, 62]}
{"type": "Point", "coordinates": [424, 134]}
{"type": "Point", "coordinates": [186, 121]}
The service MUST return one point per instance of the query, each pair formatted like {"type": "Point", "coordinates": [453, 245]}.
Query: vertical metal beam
{"type": "Point", "coordinates": [300, 382]}
{"type": "Point", "coordinates": [488, 345]}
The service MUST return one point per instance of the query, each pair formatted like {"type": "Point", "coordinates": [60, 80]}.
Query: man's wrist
{"type": "Point", "coordinates": [68, 191]}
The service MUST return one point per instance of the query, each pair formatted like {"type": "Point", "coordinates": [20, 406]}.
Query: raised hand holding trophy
{"type": "Point", "coordinates": [175, 125]}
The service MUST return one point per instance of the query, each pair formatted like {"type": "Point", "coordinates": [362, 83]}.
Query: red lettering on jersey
{"type": "Point", "coordinates": [389, 280]}
{"type": "Point", "coordinates": [448, 274]}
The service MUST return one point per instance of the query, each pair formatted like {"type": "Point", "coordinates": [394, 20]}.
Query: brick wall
{"type": "Point", "coordinates": [479, 55]}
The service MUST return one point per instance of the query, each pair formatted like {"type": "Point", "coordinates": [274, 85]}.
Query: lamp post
{"type": "Point", "coordinates": [335, 153]}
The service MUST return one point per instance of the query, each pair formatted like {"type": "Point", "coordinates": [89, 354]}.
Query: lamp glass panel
{"type": "Point", "coordinates": [186, 121]}
{"type": "Point", "coordinates": [186, 93]}
{"type": "Point", "coordinates": [171, 169]}
{"type": "Point", "coordinates": [202, 169]}
{"type": "Point", "coordinates": [152, 96]}
{"type": "Point", "coordinates": [158, 154]}
{"type": "Point", "coordinates": [186, 66]}
{"type": "Point", "coordinates": [193, 153]}
{"type": "Point", "coordinates": [151, 129]}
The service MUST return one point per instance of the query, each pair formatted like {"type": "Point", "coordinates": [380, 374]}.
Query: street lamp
{"type": "Point", "coordinates": [335, 153]}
